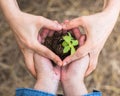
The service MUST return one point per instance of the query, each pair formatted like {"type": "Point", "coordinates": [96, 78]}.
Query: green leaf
{"type": "Point", "coordinates": [72, 50]}
{"type": "Point", "coordinates": [64, 44]}
{"type": "Point", "coordinates": [74, 42]}
{"type": "Point", "coordinates": [67, 39]}
{"type": "Point", "coordinates": [69, 34]}
{"type": "Point", "coordinates": [66, 49]}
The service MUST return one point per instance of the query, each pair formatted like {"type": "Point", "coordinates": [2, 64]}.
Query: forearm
{"type": "Point", "coordinates": [112, 6]}
{"type": "Point", "coordinates": [10, 9]}
{"type": "Point", "coordinates": [110, 14]}
{"type": "Point", "coordinates": [74, 89]}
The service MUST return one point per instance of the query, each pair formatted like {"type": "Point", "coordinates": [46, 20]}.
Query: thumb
{"type": "Point", "coordinates": [49, 24]}
{"type": "Point", "coordinates": [92, 64]}
{"type": "Point", "coordinates": [44, 51]}
{"type": "Point", "coordinates": [73, 23]}
{"type": "Point", "coordinates": [81, 52]}
{"type": "Point", "coordinates": [28, 57]}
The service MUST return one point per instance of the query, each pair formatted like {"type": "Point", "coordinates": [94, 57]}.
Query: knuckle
{"type": "Point", "coordinates": [30, 44]}
{"type": "Point", "coordinates": [35, 45]}
{"type": "Point", "coordinates": [26, 42]}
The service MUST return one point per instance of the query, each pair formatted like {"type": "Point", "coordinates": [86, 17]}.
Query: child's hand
{"type": "Point", "coordinates": [48, 76]}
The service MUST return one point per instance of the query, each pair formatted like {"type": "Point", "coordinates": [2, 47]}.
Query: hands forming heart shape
{"type": "Point", "coordinates": [54, 41]}
{"type": "Point", "coordinates": [26, 29]}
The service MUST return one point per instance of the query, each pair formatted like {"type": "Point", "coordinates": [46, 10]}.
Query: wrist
{"type": "Point", "coordinates": [111, 5]}
{"type": "Point", "coordinates": [10, 9]}
{"type": "Point", "coordinates": [49, 85]}
{"type": "Point", "coordinates": [74, 88]}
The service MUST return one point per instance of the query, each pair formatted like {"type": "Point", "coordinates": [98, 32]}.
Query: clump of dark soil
{"type": "Point", "coordinates": [54, 43]}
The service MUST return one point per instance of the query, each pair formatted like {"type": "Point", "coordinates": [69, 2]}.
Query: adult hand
{"type": "Point", "coordinates": [97, 28]}
{"type": "Point", "coordinates": [25, 28]}
{"type": "Point", "coordinates": [48, 76]}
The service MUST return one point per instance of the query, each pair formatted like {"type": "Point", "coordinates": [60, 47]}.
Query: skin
{"type": "Point", "coordinates": [72, 76]}
{"type": "Point", "coordinates": [49, 76]}
{"type": "Point", "coordinates": [25, 28]}
{"type": "Point", "coordinates": [97, 32]}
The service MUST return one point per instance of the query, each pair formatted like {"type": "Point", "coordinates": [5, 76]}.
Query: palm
{"type": "Point", "coordinates": [45, 67]}
{"type": "Point", "coordinates": [76, 69]}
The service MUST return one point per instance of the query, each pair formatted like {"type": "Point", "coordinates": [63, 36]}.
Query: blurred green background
{"type": "Point", "coordinates": [13, 73]}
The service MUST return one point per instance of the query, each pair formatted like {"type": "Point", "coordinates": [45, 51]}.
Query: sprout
{"type": "Point", "coordinates": [69, 44]}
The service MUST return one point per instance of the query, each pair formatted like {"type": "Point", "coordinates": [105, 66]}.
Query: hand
{"type": "Point", "coordinates": [72, 77]}
{"type": "Point", "coordinates": [48, 76]}
{"type": "Point", "coordinates": [97, 28]}
{"type": "Point", "coordinates": [26, 29]}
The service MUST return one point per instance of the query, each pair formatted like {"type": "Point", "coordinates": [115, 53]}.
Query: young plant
{"type": "Point", "coordinates": [69, 44]}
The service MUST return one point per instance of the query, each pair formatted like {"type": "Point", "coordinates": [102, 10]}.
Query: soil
{"type": "Point", "coordinates": [54, 43]}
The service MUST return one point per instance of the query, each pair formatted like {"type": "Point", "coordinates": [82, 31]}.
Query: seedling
{"type": "Point", "coordinates": [69, 44]}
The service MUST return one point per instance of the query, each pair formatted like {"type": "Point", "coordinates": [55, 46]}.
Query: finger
{"type": "Point", "coordinates": [76, 33]}
{"type": "Point", "coordinates": [82, 40]}
{"type": "Point", "coordinates": [73, 24]}
{"type": "Point", "coordinates": [44, 51]}
{"type": "Point", "coordinates": [39, 38]}
{"type": "Point", "coordinates": [43, 34]}
{"type": "Point", "coordinates": [49, 24]}
{"type": "Point", "coordinates": [92, 64]}
{"type": "Point", "coordinates": [81, 52]}
{"type": "Point", "coordinates": [67, 21]}
{"type": "Point", "coordinates": [55, 21]}
{"type": "Point", "coordinates": [60, 31]}
{"type": "Point", "coordinates": [64, 31]}
{"type": "Point", "coordinates": [80, 66]}
{"type": "Point", "coordinates": [28, 55]}
{"type": "Point", "coordinates": [50, 34]}
{"type": "Point", "coordinates": [89, 70]}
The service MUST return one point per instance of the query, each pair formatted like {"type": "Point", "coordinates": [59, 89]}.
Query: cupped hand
{"type": "Point", "coordinates": [48, 76]}
{"type": "Point", "coordinates": [76, 69]}
{"type": "Point", "coordinates": [26, 28]}
{"type": "Point", "coordinates": [72, 77]}
{"type": "Point", "coordinates": [97, 28]}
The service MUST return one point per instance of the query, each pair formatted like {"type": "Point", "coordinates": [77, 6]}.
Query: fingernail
{"type": "Point", "coordinates": [64, 63]}
{"type": "Point", "coordinates": [59, 63]}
